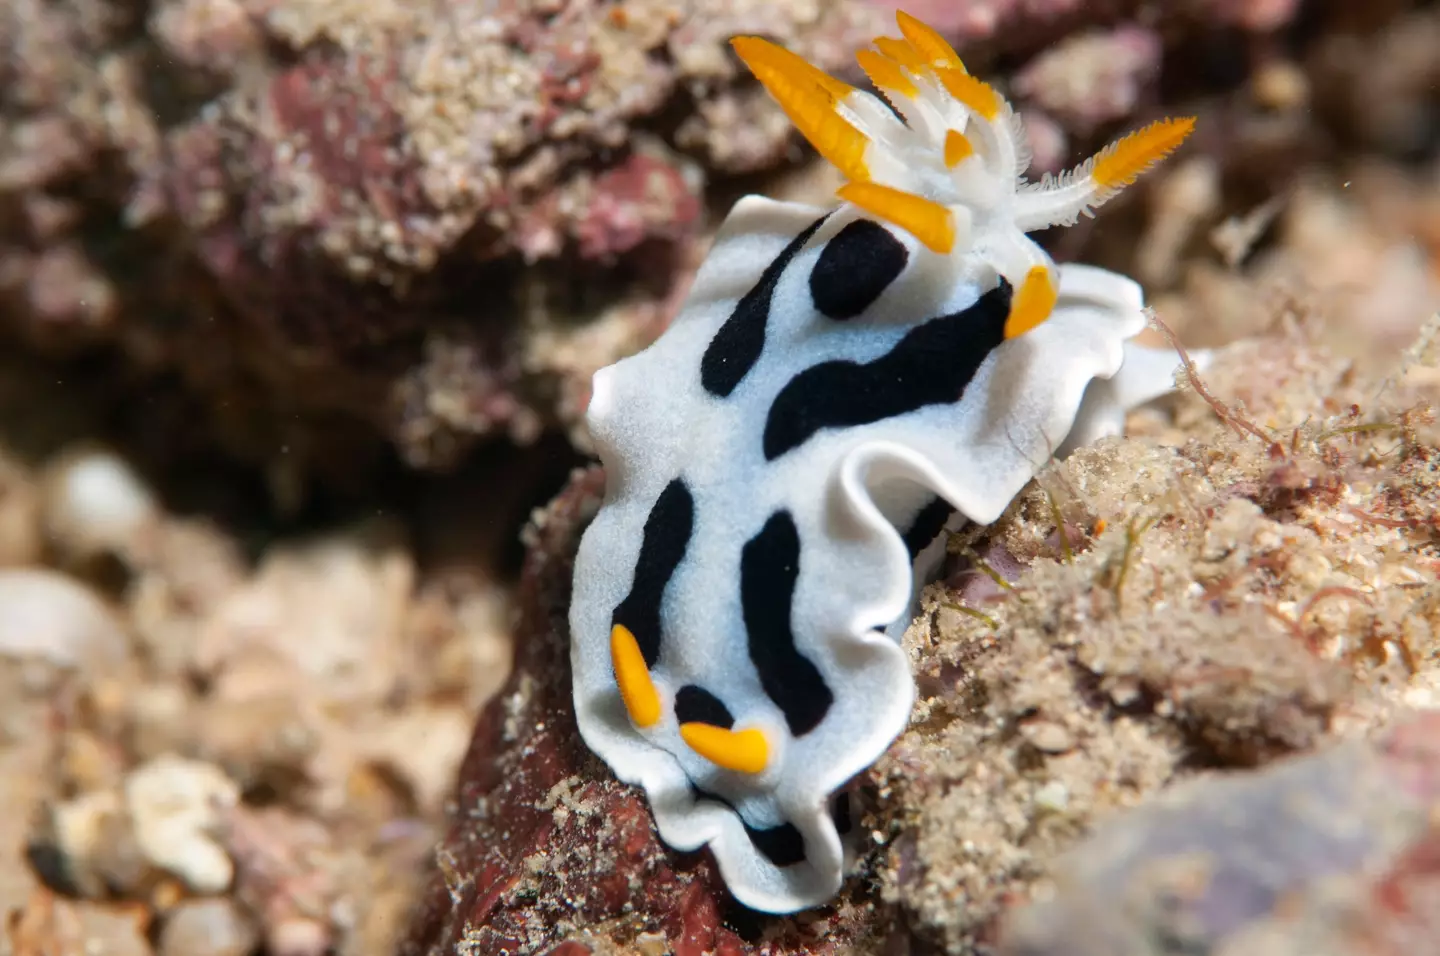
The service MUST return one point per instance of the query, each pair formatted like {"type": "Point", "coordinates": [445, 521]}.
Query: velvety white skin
{"type": "Point", "coordinates": [651, 421]}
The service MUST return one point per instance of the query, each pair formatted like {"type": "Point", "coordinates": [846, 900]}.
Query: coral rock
{"type": "Point", "coordinates": [1328, 855]}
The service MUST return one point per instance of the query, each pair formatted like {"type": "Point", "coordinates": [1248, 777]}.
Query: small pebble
{"type": "Point", "coordinates": [298, 936]}
{"type": "Point", "coordinates": [53, 617]}
{"type": "Point", "coordinates": [1047, 736]}
{"type": "Point", "coordinates": [210, 927]}
{"type": "Point", "coordinates": [93, 503]}
{"type": "Point", "coordinates": [1281, 86]}
{"type": "Point", "coordinates": [1053, 797]}
{"type": "Point", "coordinates": [652, 944]}
{"type": "Point", "coordinates": [176, 806]}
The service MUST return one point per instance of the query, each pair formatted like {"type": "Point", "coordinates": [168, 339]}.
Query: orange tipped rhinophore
{"type": "Point", "coordinates": [904, 55]}
{"type": "Point", "coordinates": [957, 148]}
{"type": "Point", "coordinates": [976, 94]}
{"type": "Point", "coordinates": [926, 220]}
{"type": "Point", "coordinates": [810, 97]}
{"type": "Point", "coordinates": [957, 166]}
{"type": "Point", "coordinates": [885, 73]}
{"type": "Point", "coordinates": [929, 46]}
{"type": "Point", "coordinates": [1121, 163]}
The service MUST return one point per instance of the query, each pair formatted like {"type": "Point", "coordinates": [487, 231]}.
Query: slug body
{"type": "Point", "coordinates": [840, 386]}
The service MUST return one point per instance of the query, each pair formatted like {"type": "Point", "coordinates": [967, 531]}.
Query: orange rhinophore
{"type": "Point", "coordinates": [950, 170]}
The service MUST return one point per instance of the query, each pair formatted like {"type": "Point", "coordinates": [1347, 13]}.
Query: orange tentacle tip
{"type": "Point", "coordinates": [885, 73]}
{"type": "Point", "coordinates": [902, 53]}
{"type": "Point", "coordinates": [761, 55]}
{"type": "Point", "coordinates": [957, 148]}
{"type": "Point", "coordinates": [929, 44]}
{"type": "Point", "coordinates": [1120, 163]}
{"type": "Point", "coordinates": [744, 751]}
{"type": "Point", "coordinates": [809, 96]}
{"type": "Point", "coordinates": [1033, 302]}
{"type": "Point", "coordinates": [976, 94]}
{"type": "Point", "coordinates": [637, 690]}
{"type": "Point", "coordinates": [928, 221]}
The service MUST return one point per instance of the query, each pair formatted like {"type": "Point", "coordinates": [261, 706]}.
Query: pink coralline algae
{"type": "Point", "coordinates": [286, 209]}
{"type": "Point", "coordinates": [1093, 78]}
{"type": "Point", "coordinates": [308, 199]}
{"type": "Point", "coordinates": [301, 194]}
{"type": "Point", "coordinates": [983, 19]}
{"type": "Point", "coordinates": [642, 198]}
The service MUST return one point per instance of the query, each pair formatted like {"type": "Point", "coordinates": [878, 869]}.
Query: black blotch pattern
{"type": "Point", "coordinates": [782, 845]}
{"type": "Point", "coordinates": [927, 524]}
{"type": "Point", "coordinates": [736, 347]}
{"type": "Point", "coordinates": [697, 705]}
{"type": "Point", "coordinates": [856, 266]}
{"type": "Point", "coordinates": [931, 365]}
{"type": "Point", "coordinates": [666, 536]}
{"type": "Point", "coordinates": [769, 568]}
{"type": "Point", "coordinates": [840, 813]}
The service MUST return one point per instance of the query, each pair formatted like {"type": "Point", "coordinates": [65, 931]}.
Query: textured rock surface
{"type": "Point", "coordinates": [1330, 854]}
{"type": "Point", "coordinates": [326, 219]}
{"type": "Point", "coordinates": [1214, 597]}
{"type": "Point", "coordinates": [310, 231]}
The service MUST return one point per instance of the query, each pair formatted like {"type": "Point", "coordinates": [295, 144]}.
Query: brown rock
{"type": "Point", "coordinates": [326, 222]}
{"type": "Point", "coordinates": [1334, 854]}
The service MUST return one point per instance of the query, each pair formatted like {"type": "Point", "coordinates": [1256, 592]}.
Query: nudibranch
{"type": "Point", "coordinates": [841, 385]}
